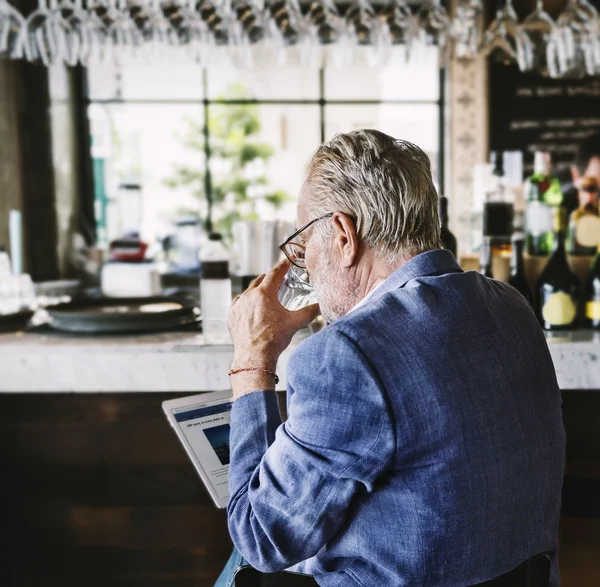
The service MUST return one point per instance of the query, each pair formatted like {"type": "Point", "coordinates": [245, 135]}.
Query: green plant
{"type": "Point", "coordinates": [231, 193]}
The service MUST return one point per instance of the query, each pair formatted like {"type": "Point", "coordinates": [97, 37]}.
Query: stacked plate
{"type": "Point", "coordinates": [123, 315]}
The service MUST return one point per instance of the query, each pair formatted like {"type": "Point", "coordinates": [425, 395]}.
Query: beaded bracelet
{"type": "Point", "coordinates": [261, 369]}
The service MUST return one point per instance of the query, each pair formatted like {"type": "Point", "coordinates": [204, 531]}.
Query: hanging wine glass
{"type": "Point", "coordinates": [124, 34]}
{"type": "Point", "coordinates": [434, 27]}
{"type": "Point", "coordinates": [97, 23]}
{"type": "Point", "coordinates": [324, 17]}
{"type": "Point", "coordinates": [465, 29]}
{"type": "Point", "coordinates": [286, 21]}
{"type": "Point", "coordinates": [249, 19]}
{"type": "Point", "coordinates": [330, 34]}
{"type": "Point", "coordinates": [550, 51]}
{"type": "Point", "coordinates": [156, 31]}
{"type": "Point", "coordinates": [288, 33]}
{"type": "Point", "coordinates": [506, 41]}
{"type": "Point", "coordinates": [12, 31]}
{"type": "Point", "coordinates": [41, 41]}
{"type": "Point", "coordinates": [360, 19]}
{"type": "Point", "coordinates": [578, 37]}
{"type": "Point", "coordinates": [72, 33]}
{"type": "Point", "coordinates": [400, 23]}
{"type": "Point", "coordinates": [215, 20]}
{"type": "Point", "coordinates": [190, 30]}
{"type": "Point", "coordinates": [366, 33]}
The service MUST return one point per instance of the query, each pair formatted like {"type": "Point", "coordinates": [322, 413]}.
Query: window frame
{"type": "Point", "coordinates": [84, 100]}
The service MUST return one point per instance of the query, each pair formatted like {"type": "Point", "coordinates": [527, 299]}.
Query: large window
{"type": "Point", "coordinates": [173, 140]}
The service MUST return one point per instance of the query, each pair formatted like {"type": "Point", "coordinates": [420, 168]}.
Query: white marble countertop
{"type": "Point", "coordinates": [179, 362]}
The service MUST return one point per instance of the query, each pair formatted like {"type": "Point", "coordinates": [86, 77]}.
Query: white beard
{"type": "Point", "coordinates": [336, 296]}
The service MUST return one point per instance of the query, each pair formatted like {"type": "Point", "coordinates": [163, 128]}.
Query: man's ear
{"type": "Point", "coordinates": [345, 239]}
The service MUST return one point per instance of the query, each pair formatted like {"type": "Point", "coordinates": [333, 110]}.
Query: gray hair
{"type": "Point", "coordinates": [384, 183]}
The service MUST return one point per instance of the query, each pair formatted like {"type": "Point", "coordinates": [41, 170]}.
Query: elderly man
{"type": "Point", "coordinates": [424, 443]}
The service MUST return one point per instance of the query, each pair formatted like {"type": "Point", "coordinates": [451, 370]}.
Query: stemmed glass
{"type": "Point", "coordinates": [286, 21]}
{"type": "Point", "coordinates": [12, 31]}
{"type": "Point", "coordinates": [42, 42]}
{"type": "Point", "coordinates": [289, 32]}
{"type": "Point", "coordinates": [328, 31]}
{"type": "Point", "coordinates": [215, 19]}
{"type": "Point", "coordinates": [465, 29]}
{"type": "Point", "coordinates": [578, 24]}
{"type": "Point", "coordinates": [550, 51]}
{"type": "Point", "coordinates": [123, 32]}
{"type": "Point", "coordinates": [190, 30]}
{"type": "Point", "coordinates": [400, 23]}
{"type": "Point", "coordinates": [156, 29]}
{"type": "Point", "coordinates": [248, 21]}
{"type": "Point", "coordinates": [366, 32]}
{"type": "Point", "coordinates": [506, 41]}
{"type": "Point", "coordinates": [97, 22]}
{"type": "Point", "coordinates": [434, 27]}
{"type": "Point", "coordinates": [72, 33]}
{"type": "Point", "coordinates": [326, 21]}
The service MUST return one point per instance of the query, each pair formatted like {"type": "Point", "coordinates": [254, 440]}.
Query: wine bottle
{"type": "Point", "coordinates": [485, 257]}
{"type": "Point", "coordinates": [592, 294]}
{"type": "Point", "coordinates": [543, 192]}
{"type": "Point", "coordinates": [498, 211]}
{"type": "Point", "coordinates": [447, 238]}
{"type": "Point", "coordinates": [584, 224]}
{"type": "Point", "coordinates": [517, 271]}
{"type": "Point", "coordinates": [558, 288]}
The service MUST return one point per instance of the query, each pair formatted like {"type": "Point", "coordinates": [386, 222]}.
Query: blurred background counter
{"type": "Point", "coordinates": [180, 362]}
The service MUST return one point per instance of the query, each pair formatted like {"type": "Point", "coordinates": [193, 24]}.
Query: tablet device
{"type": "Point", "coordinates": [201, 423]}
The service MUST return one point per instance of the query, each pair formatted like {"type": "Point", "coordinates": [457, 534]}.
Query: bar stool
{"type": "Point", "coordinates": [534, 572]}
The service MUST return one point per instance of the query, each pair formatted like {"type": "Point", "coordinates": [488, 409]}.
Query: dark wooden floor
{"type": "Point", "coordinates": [95, 490]}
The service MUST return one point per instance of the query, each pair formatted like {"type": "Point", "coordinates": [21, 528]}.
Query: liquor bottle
{"type": "Point", "coordinates": [558, 288]}
{"type": "Point", "coordinates": [592, 294]}
{"type": "Point", "coordinates": [447, 238]}
{"type": "Point", "coordinates": [498, 212]}
{"type": "Point", "coordinates": [485, 257]}
{"type": "Point", "coordinates": [517, 271]}
{"type": "Point", "coordinates": [584, 224]}
{"type": "Point", "coordinates": [543, 192]}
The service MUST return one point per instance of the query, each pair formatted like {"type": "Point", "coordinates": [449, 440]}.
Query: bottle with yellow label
{"type": "Point", "coordinates": [559, 288]}
{"type": "Point", "coordinates": [584, 225]}
{"type": "Point", "coordinates": [592, 294]}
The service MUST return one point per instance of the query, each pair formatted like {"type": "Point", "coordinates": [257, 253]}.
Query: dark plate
{"type": "Point", "coordinates": [122, 315]}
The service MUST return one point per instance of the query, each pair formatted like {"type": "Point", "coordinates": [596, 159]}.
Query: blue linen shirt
{"type": "Point", "coordinates": [424, 444]}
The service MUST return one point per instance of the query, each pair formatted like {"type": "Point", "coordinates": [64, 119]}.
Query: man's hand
{"type": "Point", "coordinates": [261, 329]}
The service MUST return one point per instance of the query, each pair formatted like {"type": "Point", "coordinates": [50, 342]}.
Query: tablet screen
{"type": "Point", "coordinates": [206, 428]}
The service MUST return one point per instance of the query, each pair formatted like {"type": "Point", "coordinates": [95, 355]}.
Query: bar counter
{"type": "Point", "coordinates": [102, 493]}
{"type": "Point", "coordinates": [180, 362]}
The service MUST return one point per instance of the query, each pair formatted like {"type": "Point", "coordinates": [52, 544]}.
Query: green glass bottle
{"type": "Point", "coordinates": [543, 193]}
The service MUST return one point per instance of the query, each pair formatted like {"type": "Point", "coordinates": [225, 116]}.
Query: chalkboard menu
{"type": "Point", "coordinates": [532, 113]}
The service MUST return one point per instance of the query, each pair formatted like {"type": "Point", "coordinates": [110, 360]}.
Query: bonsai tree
{"type": "Point", "coordinates": [235, 181]}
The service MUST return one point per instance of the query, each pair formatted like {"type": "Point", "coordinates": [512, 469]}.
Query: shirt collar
{"type": "Point", "coordinates": [430, 263]}
{"type": "Point", "coordinates": [368, 296]}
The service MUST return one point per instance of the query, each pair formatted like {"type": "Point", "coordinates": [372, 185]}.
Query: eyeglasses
{"type": "Point", "coordinates": [296, 251]}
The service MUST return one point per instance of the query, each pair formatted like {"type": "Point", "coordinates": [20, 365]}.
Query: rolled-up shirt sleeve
{"type": "Point", "coordinates": [291, 484]}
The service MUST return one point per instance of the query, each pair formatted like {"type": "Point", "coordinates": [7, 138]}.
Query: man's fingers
{"type": "Point", "coordinates": [305, 316]}
{"type": "Point", "coordinates": [274, 278]}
